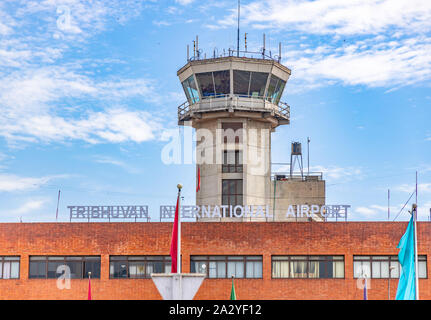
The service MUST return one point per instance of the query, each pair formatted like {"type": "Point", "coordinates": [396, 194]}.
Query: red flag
{"type": "Point", "coordinates": [199, 180]}
{"type": "Point", "coordinates": [174, 241]}
{"type": "Point", "coordinates": [89, 288]}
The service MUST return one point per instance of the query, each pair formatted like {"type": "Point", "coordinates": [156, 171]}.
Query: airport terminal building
{"type": "Point", "coordinates": [274, 232]}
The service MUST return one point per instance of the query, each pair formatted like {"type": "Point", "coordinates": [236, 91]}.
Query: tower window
{"type": "Point", "coordinates": [232, 192]}
{"type": "Point", "coordinates": [232, 161]}
{"type": "Point", "coordinates": [232, 132]}
{"type": "Point", "coordinates": [214, 84]}
{"type": "Point", "coordinates": [249, 84]}
{"type": "Point", "coordinates": [275, 89]}
{"type": "Point", "coordinates": [191, 90]}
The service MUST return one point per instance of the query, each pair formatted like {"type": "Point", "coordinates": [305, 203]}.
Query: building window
{"type": "Point", "coordinates": [137, 267]}
{"type": "Point", "coordinates": [322, 267]}
{"type": "Point", "coordinates": [47, 267]}
{"type": "Point", "coordinates": [232, 161]}
{"type": "Point", "coordinates": [227, 266]}
{"type": "Point", "coordinates": [232, 192]}
{"type": "Point", "coordinates": [214, 84]}
{"type": "Point", "coordinates": [9, 267]}
{"type": "Point", "coordinates": [275, 89]}
{"type": "Point", "coordinates": [249, 84]}
{"type": "Point", "coordinates": [191, 90]}
{"type": "Point", "coordinates": [379, 267]}
{"type": "Point", "coordinates": [232, 132]}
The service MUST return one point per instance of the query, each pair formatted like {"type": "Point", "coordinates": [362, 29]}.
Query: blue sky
{"type": "Point", "coordinates": [88, 91]}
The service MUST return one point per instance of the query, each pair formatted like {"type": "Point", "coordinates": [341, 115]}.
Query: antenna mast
{"type": "Point", "coordinates": [237, 36]}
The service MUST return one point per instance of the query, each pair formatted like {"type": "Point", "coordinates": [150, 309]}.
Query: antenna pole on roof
{"type": "Point", "coordinates": [237, 37]}
{"type": "Point", "coordinates": [279, 52]}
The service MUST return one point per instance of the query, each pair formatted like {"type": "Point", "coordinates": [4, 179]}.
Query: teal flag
{"type": "Point", "coordinates": [407, 283]}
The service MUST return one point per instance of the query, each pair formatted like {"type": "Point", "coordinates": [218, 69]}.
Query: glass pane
{"type": "Point", "coordinates": [222, 82]}
{"type": "Point", "coordinates": [231, 187]}
{"type": "Point", "coordinates": [221, 269]}
{"type": "Point", "coordinates": [375, 267]}
{"type": "Point", "coordinates": [75, 269]}
{"type": "Point", "coordinates": [120, 269]}
{"type": "Point", "coordinates": [361, 258]}
{"type": "Point", "coordinates": [238, 186]}
{"type": "Point", "coordinates": [279, 92]}
{"type": "Point", "coordinates": [37, 258]}
{"type": "Point", "coordinates": [94, 268]}
{"type": "Point", "coordinates": [137, 270]}
{"type": "Point", "coordinates": [11, 258]}
{"type": "Point", "coordinates": [422, 266]}
{"type": "Point", "coordinates": [206, 85]}
{"type": "Point", "coordinates": [1, 270]}
{"type": "Point", "coordinates": [271, 87]}
{"type": "Point", "coordinates": [150, 269]}
{"type": "Point", "coordinates": [395, 269]}
{"type": "Point", "coordinates": [362, 269]}
{"type": "Point", "coordinates": [213, 270]}
{"type": "Point", "coordinates": [186, 91]}
{"type": "Point", "coordinates": [6, 270]}
{"type": "Point", "coordinates": [384, 269]}
{"type": "Point", "coordinates": [249, 269]}
{"type": "Point", "coordinates": [52, 269]}
{"type": "Point", "coordinates": [225, 187]}
{"type": "Point", "coordinates": [199, 267]}
{"type": "Point", "coordinates": [298, 269]}
{"type": "Point", "coordinates": [280, 269]}
{"type": "Point", "coordinates": [241, 81]}
{"type": "Point", "coordinates": [258, 84]}
{"type": "Point", "coordinates": [258, 269]}
{"type": "Point", "coordinates": [338, 270]}
{"type": "Point", "coordinates": [314, 269]}
{"type": "Point", "coordinates": [279, 258]}
{"type": "Point", "coordinates": [37, 269]}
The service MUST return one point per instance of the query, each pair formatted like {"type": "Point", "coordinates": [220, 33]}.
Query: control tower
{"type": "Point", "coordinates": [234, 104]}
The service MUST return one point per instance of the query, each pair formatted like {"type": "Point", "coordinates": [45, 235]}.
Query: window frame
{"type": "Point", "coordinates": [307, 259]}
{"type": "Point", "coordinates": [237, 166]}
{"type": "Point", "coordinates": [227, 258]}
{"type": "Point", "coordinates": [389, 259]}
{"type": "Point", "coordinates": [235, 196]}
{"type": "Point", "coordinates": [133, 258]}
{"type": "Point", "coordinates": [2, 261]}
{"type": "Point", "coordinates": [65, 259]}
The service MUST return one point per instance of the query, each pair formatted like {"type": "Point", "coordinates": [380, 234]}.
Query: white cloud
{"type": "Point", "coordinates": [184, 2]}
{"type": "Point", "coordinates": [337, 173]}
{"type": "Point", "coordinates": [376, 64]}
{"type": "Point", "coordinates": [377, 43]}
{"type": "Point", "coordinates": [27, 207]}
{"type": "Point", "coordinates": [41, 98]}
{"type": "Point", "coordinates": [409, 188]}
{"type": "Point", "coordinates": [335, 16]}
{"type": "Point", "coordinates": [13, 183]}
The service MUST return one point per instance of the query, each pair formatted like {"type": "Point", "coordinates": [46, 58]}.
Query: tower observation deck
{"type": "Point", "coordinates": [238, 85]}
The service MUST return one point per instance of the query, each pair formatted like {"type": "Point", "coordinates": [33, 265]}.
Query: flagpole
{"type": "Point", "coordinates": [415, 215]}
{"type": "Point", "coordinates": [179, 186]}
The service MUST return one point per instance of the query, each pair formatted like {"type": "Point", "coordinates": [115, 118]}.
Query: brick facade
{"type": "Point", "coordinates": [200, 238]}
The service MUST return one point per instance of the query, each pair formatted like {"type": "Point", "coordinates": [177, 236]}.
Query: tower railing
{"type": "Point", "coordinates": [224, 101]}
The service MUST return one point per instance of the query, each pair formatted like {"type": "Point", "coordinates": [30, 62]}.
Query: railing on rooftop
{"type": "Point", "coordinates": [234, 53]}
{"type": "Point", "coordinates": [284, 176]}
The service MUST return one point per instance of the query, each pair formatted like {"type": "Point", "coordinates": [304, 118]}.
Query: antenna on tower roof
{"type": "Point", "coordinates": [237, 37]}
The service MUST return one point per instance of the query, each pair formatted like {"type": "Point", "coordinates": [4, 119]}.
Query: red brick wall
{"type": "Point", "coordinates": [248, 238]}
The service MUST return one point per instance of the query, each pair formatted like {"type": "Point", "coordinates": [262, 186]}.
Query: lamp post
{"type": "Point", "coordinates": [389, 281]}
